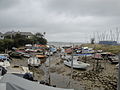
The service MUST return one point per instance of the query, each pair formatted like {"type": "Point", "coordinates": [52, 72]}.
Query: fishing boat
{"type": "Point", "coordinates": [76, 64]}
{"type": "Point", "coordinates": [34, 61]}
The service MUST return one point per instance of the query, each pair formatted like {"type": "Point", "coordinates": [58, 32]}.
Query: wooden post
{"type": "Point", "coordinates": [72, 62]}
{"type": "Point", "coordinates": [49, 80]}
{"type": "Point", "coordinates": [70, 82]}
{"type": "Point", "coordinates": [94, 60]}
{"type": "Point", "coordinates": [118, 83]}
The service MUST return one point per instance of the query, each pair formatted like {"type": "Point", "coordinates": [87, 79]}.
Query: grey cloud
{"type": "Point", "coordinates": [86, 7]}
{"type": "Point", "coordinates": [62, 20]}
{"type": "Point", "coordinates": [6, 4]}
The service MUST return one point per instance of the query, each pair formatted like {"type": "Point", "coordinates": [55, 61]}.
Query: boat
{"type": "Point", "coordinates": [76, 64]}
{"type": "Point", "coordinates": [40, 56]}
{"type": "Point", "coordinates": [65, 57]}
{"type": "Point", "coordinates": [34, 61]}
{"type": "Point", "coordinates": [4, 61]}
{"type": "Point", "coordinates": [113, 59]}
{"type": "Point", "coordinates": [68, 50]}
{"type": "Point", "coordinates": [53, 49]}
{"type": "Point", "coordinates": [117, 66]}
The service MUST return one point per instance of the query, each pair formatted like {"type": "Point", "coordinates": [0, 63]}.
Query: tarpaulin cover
{"type": "Point", "coordinates": [12, 82]}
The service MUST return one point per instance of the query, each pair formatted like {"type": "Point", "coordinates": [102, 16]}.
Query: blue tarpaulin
{"type": "Point", "coordinates": [53, 49]}
{"type": "Point", "coordinates": [3, 57]}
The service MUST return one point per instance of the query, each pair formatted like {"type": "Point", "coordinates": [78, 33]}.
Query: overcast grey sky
{"type": "Point", "coordinates": [62, 20]}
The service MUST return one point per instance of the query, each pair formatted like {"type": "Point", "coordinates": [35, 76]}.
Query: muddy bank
{"type": "Point", "coordinates": [60, 75]}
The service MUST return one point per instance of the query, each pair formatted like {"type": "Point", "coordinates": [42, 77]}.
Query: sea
{"type": "Point", "coordinates": [61, 44]}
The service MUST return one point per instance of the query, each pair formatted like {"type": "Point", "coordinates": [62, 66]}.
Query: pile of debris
{"type": "Point", "coordinates": [107, 82]}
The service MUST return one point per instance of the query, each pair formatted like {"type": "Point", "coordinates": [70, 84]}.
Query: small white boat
{"type": "Point", "coordinates": [34, 61]}
{"type": "Point", "coordinates": [76, 64]}
{"type": "Point", "coordinates": [4, 63]}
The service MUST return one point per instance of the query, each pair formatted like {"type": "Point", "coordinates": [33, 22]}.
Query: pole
{"type": "Point", "coordinates": [118, 84]}
{"type": "Point", "coordinates": [72, 62]}
{"type": "Point", "coordinates": [49, 69]}
{"type": "Point", "coordinates": [94, 59]}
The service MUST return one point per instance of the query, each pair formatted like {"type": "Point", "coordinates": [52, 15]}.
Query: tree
{"type": "Point", "coordinates": [8, 43]}
{"type": "Point", "coordinates": [39, 40]}
{"type": "Point", "coordinates": [39, 35]}
{"type": "Point", "coordinates": [92, 40]}
{"type": "Point", "coordinates": [2, 45]}
{"type": "Point", "coordinates": [19, 40]}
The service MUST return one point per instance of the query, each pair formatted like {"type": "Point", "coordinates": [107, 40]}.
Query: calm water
{"type": "Point", "coordinates": [60, 44]}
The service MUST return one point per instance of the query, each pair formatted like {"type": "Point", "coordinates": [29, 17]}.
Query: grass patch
{"type": "Point", "coordinates": [106, 48]}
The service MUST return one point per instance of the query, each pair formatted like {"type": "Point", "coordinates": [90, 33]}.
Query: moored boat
{"type": "Point", "coordinates": [76, 64]}
{"type": "Point", "coordinates": [34, 61]}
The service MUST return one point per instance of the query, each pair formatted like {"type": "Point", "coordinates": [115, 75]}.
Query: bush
{"type": "Point", "coordinates": [19, 40]}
